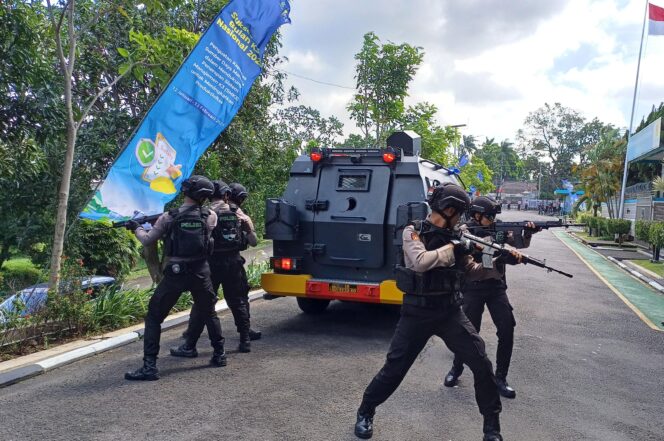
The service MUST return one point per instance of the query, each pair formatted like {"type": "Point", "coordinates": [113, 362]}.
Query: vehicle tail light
{"type": "Point", "coordinates": [285, 264]}
{"type": "Point", "coordinates": [389, 157]}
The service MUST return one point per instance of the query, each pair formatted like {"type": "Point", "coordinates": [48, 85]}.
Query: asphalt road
{"type": "Point", "coordinates": [585, 368]}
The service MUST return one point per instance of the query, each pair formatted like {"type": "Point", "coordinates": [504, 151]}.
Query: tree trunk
{"type": "Point", "coordinates": [150, 254]}
{"type": "Point", "coordinates": [4, 253]}
{"type": "Point", "coordinates": [63, 199]}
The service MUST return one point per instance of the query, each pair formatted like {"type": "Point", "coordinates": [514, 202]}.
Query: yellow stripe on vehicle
{"type": "Point", "coordinates": [285, 284]}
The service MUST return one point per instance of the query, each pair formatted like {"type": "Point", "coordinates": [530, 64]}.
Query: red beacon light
{"type": "Point", "coordinates": [316, 155]}
{"type": "Point", "coordinates": [389, 155]}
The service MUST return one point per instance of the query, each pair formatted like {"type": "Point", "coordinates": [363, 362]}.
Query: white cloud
{"type": "Point", "coordinates": [488, 63]}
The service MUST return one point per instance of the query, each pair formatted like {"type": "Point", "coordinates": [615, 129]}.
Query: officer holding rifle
{"type": "Point", "coordinates": [432, 275]}
{"type": "Point", "coordinates": [491, 292]}
{"type": "Point", "coordinates": [186, 233]}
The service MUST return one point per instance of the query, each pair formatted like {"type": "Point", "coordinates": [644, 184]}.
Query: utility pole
{"type": "Point", "coordinates": [539, 184]}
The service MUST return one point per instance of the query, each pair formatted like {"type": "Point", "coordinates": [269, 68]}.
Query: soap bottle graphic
{"type": "Point", "coordinates": [158, 159]}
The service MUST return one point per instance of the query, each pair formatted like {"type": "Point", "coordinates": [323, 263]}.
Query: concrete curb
{"type": "Point", "coordinates": [637, 274]}
{"type": "Point", "coordinates": [32, 369]}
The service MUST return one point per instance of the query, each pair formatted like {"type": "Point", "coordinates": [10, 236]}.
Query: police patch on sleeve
{"type": "Point", "coordinates": [414, 236]}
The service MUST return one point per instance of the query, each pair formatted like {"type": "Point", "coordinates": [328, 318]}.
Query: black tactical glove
{"type": "Point", "coordinates": [531, 228]}
{"type": "Point", "coordinates": [509, 257]}
{"type": "Point", "coordinates": [132, 225]}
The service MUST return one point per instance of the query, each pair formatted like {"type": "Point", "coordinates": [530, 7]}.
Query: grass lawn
{"type": "Point", "coordinates": [657, 268]}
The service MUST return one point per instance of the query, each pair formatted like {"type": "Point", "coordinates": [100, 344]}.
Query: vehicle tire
{"type": "Point", "coordinates": [312, 306]}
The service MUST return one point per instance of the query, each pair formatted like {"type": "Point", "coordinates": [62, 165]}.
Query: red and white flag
{"type": "Point", "coordinates": [656, 20]}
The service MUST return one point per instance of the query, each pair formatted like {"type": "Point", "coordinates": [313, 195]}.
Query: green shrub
{"type": "Point", "coordinates": [17, 274]}
{"type": "Point", "coordinates": [601, 226]}
{"type": "Point", "coordinates": [104, 250]}
{"type": "Point", "coordinates": [254, 271]}
{"type": "Point", "coordinates": [114, 309]}
{"type": "Point", "coordinates": [583, 218]}
{"type": "Point", "coordinates": [618, 226]}
{"type": "Point", "coordinates": [642, 230]}
{"type": "Point", "coordinates": [656, 234]}
{"type": "Point", "coordinates": [592, 224]}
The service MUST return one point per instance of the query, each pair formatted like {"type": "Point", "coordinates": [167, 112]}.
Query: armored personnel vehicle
{"type": "Point", "coordinates": [337, 228]}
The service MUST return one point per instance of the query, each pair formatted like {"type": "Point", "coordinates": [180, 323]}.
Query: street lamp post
{"type": "Point", "coordinates": [454, 145]}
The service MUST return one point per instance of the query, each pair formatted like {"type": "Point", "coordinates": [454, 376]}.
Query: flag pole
{"type": "Point", "coordinates": [621, 212]}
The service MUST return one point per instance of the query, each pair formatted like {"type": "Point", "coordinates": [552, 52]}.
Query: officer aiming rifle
{"type": "Point", "coordinates": [186, 232]}
{"type": "Point", "coordinates": [431, 278]}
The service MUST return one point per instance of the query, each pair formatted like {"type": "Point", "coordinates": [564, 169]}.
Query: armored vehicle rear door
{"type": "Point", "coordinates": [349, 219]}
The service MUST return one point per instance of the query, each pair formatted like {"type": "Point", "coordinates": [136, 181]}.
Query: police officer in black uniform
{"type": "Point", "coordinates": [431, 279]}
{"type": "Point", "coordinates": [491, 292]}
{"type": "Point", "coordinates": [238, 300]}
{"type": "Point", "coordinates": [186, 233]}
{"type": "Point", "coordinates": [233, 232]}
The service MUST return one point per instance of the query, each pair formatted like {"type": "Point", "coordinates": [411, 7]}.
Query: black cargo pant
{"type": "Point", "coordinates": [496, 301]}
{"type": "Point", "coordinates": [416, 325]}
{"type": "Point", "coordinates": [229, 273]}
{"type": "Point", "coordinates": [195, 278]}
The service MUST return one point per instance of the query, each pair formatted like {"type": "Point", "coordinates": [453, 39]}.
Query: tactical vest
{"type": "Point", "coordinates": [228, 235]}
{"type": "Point", "coordinates": [187, 237]}
{"type": "Point", "coordinates": [477, 257]}
{"type": "Point", "coordinates": [437, 281]}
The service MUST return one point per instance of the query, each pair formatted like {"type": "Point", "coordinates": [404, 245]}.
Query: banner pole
{"type": "Point", "coordinates": [621, 212]}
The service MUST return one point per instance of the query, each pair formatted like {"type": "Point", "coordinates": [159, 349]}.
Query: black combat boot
{"type": "Point", "coordinates": [218, 358]}
{"type": "Point", "coordinates": [245, 342]}
{"type": "Point", "coordinates": [504, 389]}
{"type": "Point", "coordinates": [184, 350]}
{"type": "Point", "coordinates": [255, 335]}
{"type": "Point", "coordinates": [452, 377]}
{"type": "Point", "coordinates": [148, 372]}
{"type": "Point", "coordinates": [364, 425]}
{"type": "Point", "coordinates": [492, 428]}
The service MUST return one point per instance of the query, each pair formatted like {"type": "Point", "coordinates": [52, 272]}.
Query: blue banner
{"type": "Point", "coordinates": [198, 104]}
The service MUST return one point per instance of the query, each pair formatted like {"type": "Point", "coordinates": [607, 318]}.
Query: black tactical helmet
{"type": "Point", "coordinates": [238, 192]}
{"type": "Point", "coordinates": [199, 188]}
{"type": "Point", "coordinates": [485, 206]}
{"type": "Point", "coordinates": [449, 195]}
{"type": "Point", "coordinates": [221, 189]}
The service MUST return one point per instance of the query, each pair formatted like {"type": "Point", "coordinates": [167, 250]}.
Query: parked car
{"type": "Point", "coordinates": [34, 297]}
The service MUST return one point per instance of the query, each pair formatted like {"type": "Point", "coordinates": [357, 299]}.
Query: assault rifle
{"type": "Point", "coordinates": [500, 229]}
{"type": "Point", "coordinates": [141, 220]}
{"type": "Point", "coordinates": [490, 249]}
{"type": "Point", "coordinates": [519, 226]}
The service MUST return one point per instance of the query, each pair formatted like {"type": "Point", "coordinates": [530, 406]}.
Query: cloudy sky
{"type": "Point", "coordinates": [487, 63]}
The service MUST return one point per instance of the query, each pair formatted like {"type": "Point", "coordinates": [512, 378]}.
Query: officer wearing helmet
{"type": "Point", "coordinates": [238, 299]}
{"type": "Point", "coordinates": [233, 231]}
{"type": "Point", "coordinates": [186, 233]}
{"type": "Point", "coordinates": [491, 292]}
{"type": "Point", "coordinates": [431, 277]}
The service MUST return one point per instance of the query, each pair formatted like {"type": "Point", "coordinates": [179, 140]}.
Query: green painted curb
{"type": "Point", "coordinates": [647, 303]}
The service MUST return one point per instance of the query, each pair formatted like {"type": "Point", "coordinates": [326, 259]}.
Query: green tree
{"type": "Point", "coordinates": [382, 74]}
{"type": "Point", "coordinates": [436, 140]}
{"type": "Point", "coordinates": [502, 159]}
{"type": "Point", "coordinates": [30, 125]}
{"type": "Point", "coordinates": [305, 124]}
{"type": "Point", "coordinates": [559, 133]}
{"type": "Point", "coordinates": [601, 177]}
{"type": "Point", "coordinates": [469, 176]}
